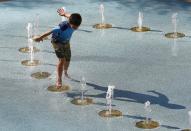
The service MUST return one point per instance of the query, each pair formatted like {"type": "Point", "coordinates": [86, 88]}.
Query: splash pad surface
{"type": "Point", "coordinates": [143, 66]}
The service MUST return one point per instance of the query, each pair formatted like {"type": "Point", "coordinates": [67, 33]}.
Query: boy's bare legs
{"type": "Point", "coordinates": [62, 65]}
{"type": "Point", "coordinates": [59, 71]}
{"type": "Point", "coordinates": [66, 65]}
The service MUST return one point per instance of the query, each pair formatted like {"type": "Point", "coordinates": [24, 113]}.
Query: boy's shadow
{"type": "Point", "coordinates": [125, 95]}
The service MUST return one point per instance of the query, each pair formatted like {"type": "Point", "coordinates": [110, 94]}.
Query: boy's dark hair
{"type": "Point", "coordinates": [75, 19]}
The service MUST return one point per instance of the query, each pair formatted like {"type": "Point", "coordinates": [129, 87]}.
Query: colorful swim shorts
{"type": "Point", "coordinates": [62, 50]}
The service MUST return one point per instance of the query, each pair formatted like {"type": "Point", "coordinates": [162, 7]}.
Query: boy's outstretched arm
{"type": "Point", "coordinates": [40, 38]}
{"type": "Point", "coordinates": [62, 12]}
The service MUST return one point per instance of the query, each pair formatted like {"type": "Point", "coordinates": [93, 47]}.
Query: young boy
{"type": "Point", "coordinates": [60, 40]}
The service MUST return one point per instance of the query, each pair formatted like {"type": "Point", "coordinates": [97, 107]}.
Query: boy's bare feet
{"type": "Point", "coordinates": [58, 84]}
{"type": "Point", "coordinates": [66, 75]}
